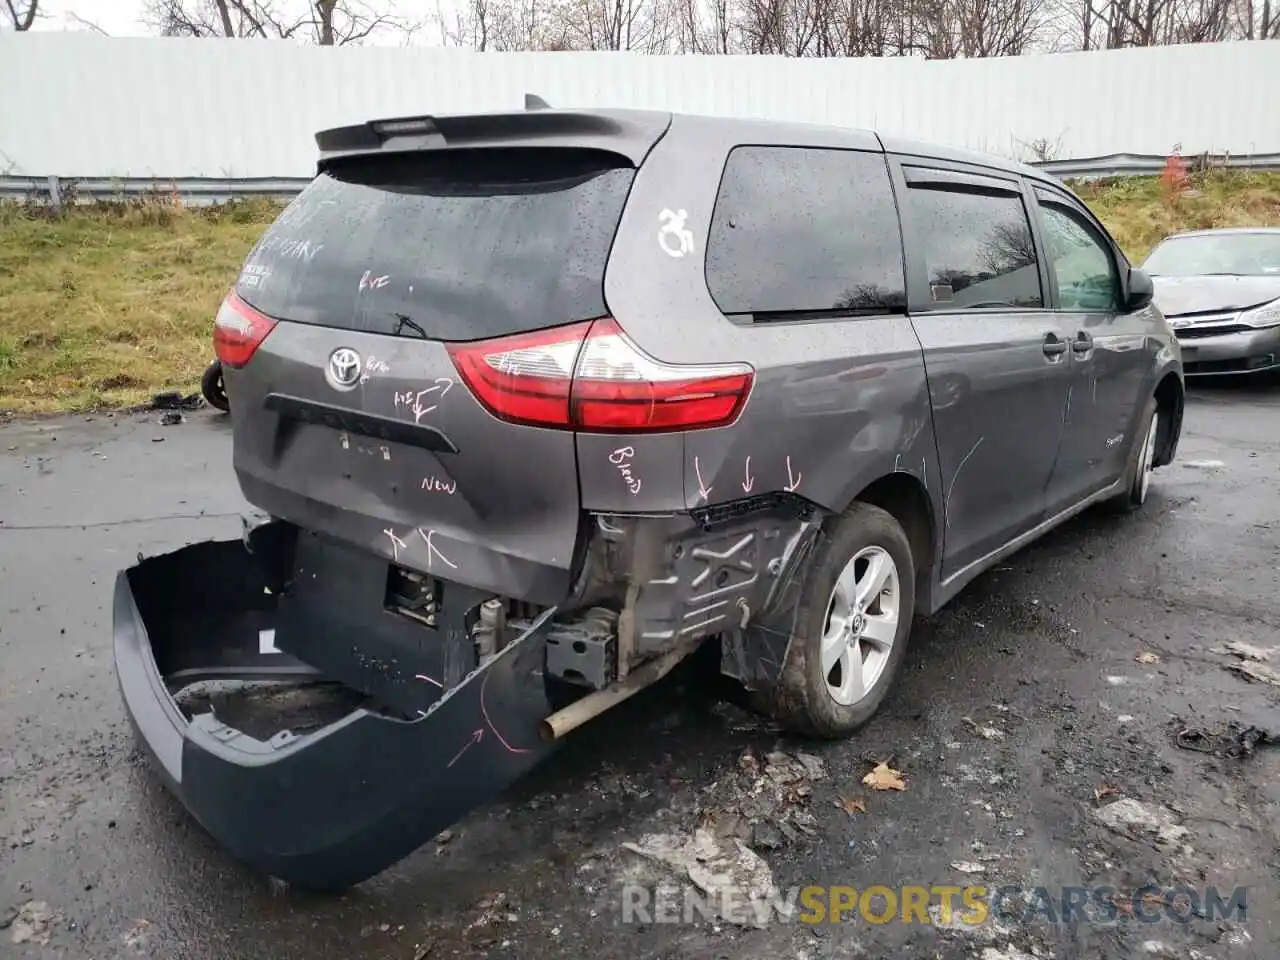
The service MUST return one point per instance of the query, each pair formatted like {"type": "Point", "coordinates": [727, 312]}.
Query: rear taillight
{"type": "Point", "coordinates": [238, 331]}
{"type": "Point", "coordinates": [591, 377]}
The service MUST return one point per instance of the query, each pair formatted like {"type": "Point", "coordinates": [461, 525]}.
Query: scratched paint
{"type": "Point", "coordinates": [946, 501]}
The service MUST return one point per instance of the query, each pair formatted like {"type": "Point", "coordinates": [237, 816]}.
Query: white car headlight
{"type": "Point", "coordinates": [1267, 315]}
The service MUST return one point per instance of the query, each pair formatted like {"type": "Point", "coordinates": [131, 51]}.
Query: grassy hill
{"type": "Point", "coordinates": [112, 303]}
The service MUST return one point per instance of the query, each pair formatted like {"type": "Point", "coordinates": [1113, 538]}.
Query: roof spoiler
{"type": "Point", "coordinates": [628, 133]}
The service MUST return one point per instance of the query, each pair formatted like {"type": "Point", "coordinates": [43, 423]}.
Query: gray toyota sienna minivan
{"type": "Point", "coordinates": [538, 403]}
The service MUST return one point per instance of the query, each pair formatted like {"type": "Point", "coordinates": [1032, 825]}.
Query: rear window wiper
{"type": "Point", "coordinates": [402, 321]}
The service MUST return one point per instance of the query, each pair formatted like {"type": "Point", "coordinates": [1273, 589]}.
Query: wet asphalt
{"type": "Point", "coordinates": [1023, 709]}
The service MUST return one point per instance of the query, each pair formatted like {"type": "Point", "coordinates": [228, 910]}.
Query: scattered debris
{"type": "Point", "coordinates": [139, 936]}
{"type": "Point", "coordinates": [1147, 657]}
{"type": "Point", "coordinates": [1008, 953]}
{"type": "Point", "coordinates": [884, 777]}
{"type": "Point", "coordinates": [726, 871]}
{"type": "Point", "coordinates": [32, 924]}
{"type": "Point", "coordinates": [444, 836]}
{"type": "Point", "coordinates": [1157, 948]}
{"type": "Point", "coordinates": [173, 400]}
{"type": "Point", "coordinates": [1252, 670]}
{"type": "Point", "coordinates": [1204, 464]}
{"type": "Point", "coordinates": [983, 730]}
{"type": "Point", "coordinates": [170, 417]}
{"type": "Point", "coordinates": [1238, 741]}
{"type": "Point", "coordinates": [1125, 718]}
{"type": "Point", "coordinates": [784, 769]}
{"type": "Point", "coordinates": [1128, 816]}
{"type": "Point", "coordinates": [1104, 791]}
{"type": "Point", "coordinates": [850, 805]}
{"type": "Point", "coordinates": [763, 801]}
{"type": "Point", "coordinates": [1245, 651]}
{"type": "Point", "coordinates": [967, 866]}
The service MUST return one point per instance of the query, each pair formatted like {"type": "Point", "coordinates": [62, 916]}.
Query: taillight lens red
{"type": "Point", "coordinates": [238, 331]}
{"type": "Point", "coordinates": [591, 377]}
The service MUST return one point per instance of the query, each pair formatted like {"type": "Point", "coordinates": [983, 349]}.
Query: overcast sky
{"type": "Point", "coordinates": [120, 18]}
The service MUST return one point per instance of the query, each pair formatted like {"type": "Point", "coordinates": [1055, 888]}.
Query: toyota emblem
{"type": "Point", "coordinates": [343, 371]}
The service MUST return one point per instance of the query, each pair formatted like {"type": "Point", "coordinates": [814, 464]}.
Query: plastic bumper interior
{"type": "Point", "coordinates": [328, 807]}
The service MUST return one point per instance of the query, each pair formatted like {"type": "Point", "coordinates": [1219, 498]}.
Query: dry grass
{"type": "Point", "coordinates": [1134, 211]}
{"type": "Point", "coordinates": [109, 304]}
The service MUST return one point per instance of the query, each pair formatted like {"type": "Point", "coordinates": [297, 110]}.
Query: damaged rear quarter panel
{"type": "Point", "coordinates": [836, 404]}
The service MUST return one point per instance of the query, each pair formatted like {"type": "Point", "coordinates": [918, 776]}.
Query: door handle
{"type": "Point", "coordinates": [1083, 342]}
{"type": "Point", "coordinates": [1053, 345]}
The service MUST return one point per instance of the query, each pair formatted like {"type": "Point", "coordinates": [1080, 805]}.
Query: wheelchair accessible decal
{"type": "Point", "coordinates": [675, 239]}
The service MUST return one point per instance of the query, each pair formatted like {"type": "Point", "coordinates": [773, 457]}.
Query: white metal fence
{"type": "Point", "coordinates": [206, 113]}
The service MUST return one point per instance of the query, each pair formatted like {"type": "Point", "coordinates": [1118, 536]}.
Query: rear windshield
{"type": "Point", "coordinates": [448, 246]}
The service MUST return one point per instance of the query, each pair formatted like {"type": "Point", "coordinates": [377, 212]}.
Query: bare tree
{"type": "Point", "coordinates": [324, 22]}
{"type": "Point", "coordinates": [934, 29]}
{"type": "Point", "coordinates": [22, 15]}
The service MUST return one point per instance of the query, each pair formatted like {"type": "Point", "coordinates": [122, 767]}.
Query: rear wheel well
{"type": "Point", "coordinates": [904, 496]}
{"type": "Point", "coordinates": [1169, 401]}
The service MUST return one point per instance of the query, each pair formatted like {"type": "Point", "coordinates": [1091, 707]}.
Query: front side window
{"type": "Point", "coordinates": [801, 233]}
{"type": "Point", "coordinates": [1082, 266]}
{"type": "Point", "coordinates": [977, 246]}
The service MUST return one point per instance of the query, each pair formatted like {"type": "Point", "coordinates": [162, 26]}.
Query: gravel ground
{"type": "Point", "coordinates": [1078, 675]}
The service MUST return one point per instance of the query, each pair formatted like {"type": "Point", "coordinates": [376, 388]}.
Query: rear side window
{"type": "Point", "coordinates": [977, 247]}
{"type": "Point", "coordinates": [457, 245]}
{"type": "Point", "coordinates": [802, 233]}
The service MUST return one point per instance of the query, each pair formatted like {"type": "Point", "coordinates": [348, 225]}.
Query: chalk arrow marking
{"type": "Point", "coordinates": [703, 490]}
{"type": "Point", "coordinates": [793, 479]}
{"type": "Point", "coordinates": [476, 736]}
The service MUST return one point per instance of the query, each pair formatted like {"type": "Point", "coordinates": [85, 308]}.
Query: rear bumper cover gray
{"type": "Point", "coordinates": [328, 808]}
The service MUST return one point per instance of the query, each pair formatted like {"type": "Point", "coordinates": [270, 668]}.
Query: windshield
{"type": "Point", "coordinates": [1235, 254]}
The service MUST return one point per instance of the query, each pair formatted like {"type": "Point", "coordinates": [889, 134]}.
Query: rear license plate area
{"type": "Point", "coordinates": [397, 636]}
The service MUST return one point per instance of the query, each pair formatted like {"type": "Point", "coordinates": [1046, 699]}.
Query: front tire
{"type": "Point", "coordinates": [1141, 460]}
{"type": "Point", "coordinates": [852, 627]}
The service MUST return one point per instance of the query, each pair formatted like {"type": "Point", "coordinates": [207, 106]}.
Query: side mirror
{"type": "Point", "coordinates": [1140, 289]}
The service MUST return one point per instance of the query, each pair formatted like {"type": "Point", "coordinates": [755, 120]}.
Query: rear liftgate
{"type": "Point", "coordinates": [428, 727]}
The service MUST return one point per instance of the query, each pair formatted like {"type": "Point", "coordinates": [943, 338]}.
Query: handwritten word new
{"type": "Point", "coordinates": [413, 401]}
{"type": "Point", "coordinates": [370, 282]}
{"type": "Point", "coordinates": [436, 485]}
{"type": "Point", "coordinates": [621, 458]}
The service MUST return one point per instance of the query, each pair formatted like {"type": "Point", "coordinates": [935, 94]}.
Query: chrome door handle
{"type": "Point", "coordinates": [1053, 346]}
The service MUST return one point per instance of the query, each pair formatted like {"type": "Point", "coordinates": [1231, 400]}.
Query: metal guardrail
{"type": "Point", "coordinates": [207, 190]}
{"type": "Point", "coordinates": [194, 191]}
{"type": "Point", "coordinates": [1143, 165]}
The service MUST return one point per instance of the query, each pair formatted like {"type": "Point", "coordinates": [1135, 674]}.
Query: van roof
{"type": "Point", "coordinates": [625, 131]}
